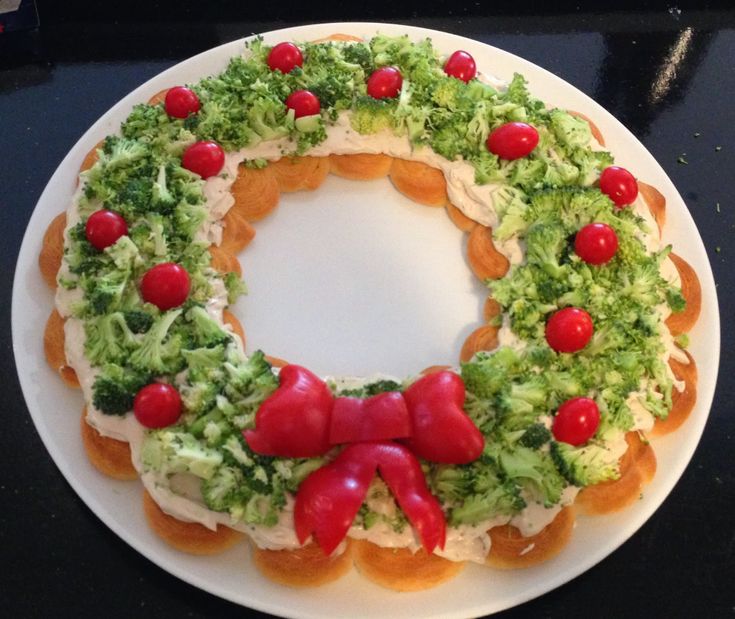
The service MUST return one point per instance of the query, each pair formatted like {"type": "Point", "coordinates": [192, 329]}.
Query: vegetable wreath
{"type": "Point", "coordinates": [576, 360]}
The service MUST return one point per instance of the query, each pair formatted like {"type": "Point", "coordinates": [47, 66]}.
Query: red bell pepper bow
{"type": "Point", "coordinates": [302, 419]}
{"type": "Point", "coordinates": [328, 500]}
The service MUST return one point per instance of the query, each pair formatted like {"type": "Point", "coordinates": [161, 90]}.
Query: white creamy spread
{"type": "Point", "coordinates": [180, 496]}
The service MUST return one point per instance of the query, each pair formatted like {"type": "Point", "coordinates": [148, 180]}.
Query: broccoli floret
{"type": "Point", "coordinates": [249, 382]}
{"type": "Point", "coordinates": [500, 499]}
{"type": "Point", "coordinates": [642, 284]}
{"type": "Point", "coordinates": [586, 465]}
{"type": "Point", "coordinates": [570, 130]}
{"type": "Point", "coordinates": [163, 199]}
{"type": "Point", "coordinates": [115, 388]}
{"type": "Point", "coordinates": [108, 339]}
{"type": "Point", "coordinates": [236, 287]}
{"type": "Point", "coordinates": [105, 293]}
{"type": "Point", "coordinates": [371, 389]}
{"type": "Point", "coordinates": [371, 115]}
{"type": "Point", "coordinates": [449, 93]}
{"type": "Point", "coordinates": [675, 299]}
{"type": "Point", "coordinates": [158, 353]}
{"type": "Point", "coordinates": [487, 374]}
{"type": "Point", "coordinates": [125, 254]}
{"type": "Point", "coordinates": [224, 488]}
{"type": "Point", "coordinates": [138, 321]}
{"type": "Point", "coordinates": [172, 450]}
{"type": "Point", "coordinates": [535, 436]}
{"type": "Point", "coordinates": [206, 330]}
{"type": "Point", "coordinates": [545, 244]}
{"type": "Point", "coordinates": [533, 470]}
{"type": "Point", "coordinates": [360, 54]}
{"type": "Point", "coordinates": [187, 219]}
{"type": "Point", "coordinates": [270, 119]}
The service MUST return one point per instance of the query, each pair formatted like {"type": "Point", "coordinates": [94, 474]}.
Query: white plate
{"type": "Point", "coordinates": [354, 278]}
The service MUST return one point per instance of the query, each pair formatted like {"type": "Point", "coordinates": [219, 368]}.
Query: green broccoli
{"type": "Point", "coordinates": [371, 389]}
{"type": "Point", "coordinates": [586, 465]}
{"type": "Point", "coordinates": [207, 331]}
{"type": "Point", "coordinates": [158, 353]}
{"type": "Point", "coordinates": [534, 470]}
{"type": "Point", "coordinates": [138, 321]}
{"type": "Point", "coordinates": [487, 374]}
{"type": "Point", "coordinates": [535, 436]}
{"type": "Point", "coordinates": [115, 388]}
{"type": "Point", "coordinates": [371, 115]}
{"type": "Point", "coordinates": [236, 287]}
{"type": "Point", "coordinates": [270, 119]}
{"type": "Point", "coordinates": [105, 293]}
{"type": "Point", "coordinates": [162, 198]}
{"type": "Point", "coordinates": [545, 245]}
{"type": "Point", "coordinates": [108, 339]}
{"type": "Point", "coordinates": [225, 487]}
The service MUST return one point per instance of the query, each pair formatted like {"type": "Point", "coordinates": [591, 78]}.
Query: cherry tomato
{"type": "Point", "coordinates": [619, 185]}
{"type": "Point", "coordinates": [512, 140]}
{"type": "Point", "coordinates": [303, 103]}
{"type": "Point", "coordinates": [204, 158]}
{"type": "Point", "coordinates": [157, 405]}
{"type": "Point", "coordinates": [165, 285]}
{"type": "Point", "coordinates": [385, 83]}
{"type": "Point", "coordinates": [596, 243]}
{"type": "Point", "coordinates": [576, 421]}
{"type": "Point", "coordinates": [181, 101]}
{"type": "Point", "coordinates": [104, 228]}
{"type": "Point", "coordinates": [569, 329]}
{"type": "Point", "coordinates": [461, 65]}
{"type": "Point", "coordinates": [284, 57]}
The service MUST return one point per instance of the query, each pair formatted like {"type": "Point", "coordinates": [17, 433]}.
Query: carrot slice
{"type": "Point", "coordinates": [459, 219]}
{"type": "Point", "coordinates": [54, 349]}
{"type": "Point", "coordinates": [482, 338]}
{"type": "Point", "coordinates": [361, 167]}
{"type": "Point", "coordinates": [682, 401]}
{"type": "Point", "coordinates": [596, 133]}
{"type": "Point", "coordinates": [256, 192]}
{"type": "Point", "coordinates": [230, 319]}
{"type": "Point", "coordinates": [159, 97]}
{"type": "Point", "coordinates": [223, 261]}
{"type": "Point", "coordinates": [656, 203]}
{"type": "Point", "coordinates": [237, 232]}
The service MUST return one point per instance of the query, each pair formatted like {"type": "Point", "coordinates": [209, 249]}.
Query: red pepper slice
{"type": "Point", "coordinates": [442, 431]}
{"type": "Point", "coordinates": [378, 418]}
{"type": "Point", "coordinates": [402, 473]}
{"type": "Point", "coordinates": [328, 500]}
{"type": "Point", "coordinates": [293, 422]}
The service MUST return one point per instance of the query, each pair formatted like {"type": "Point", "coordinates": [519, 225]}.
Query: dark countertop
{"type": "Point", "coordinates": [55, 81]}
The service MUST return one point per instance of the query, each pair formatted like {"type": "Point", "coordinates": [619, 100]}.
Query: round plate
{"type": "Point", "coordinates": [385, 303]}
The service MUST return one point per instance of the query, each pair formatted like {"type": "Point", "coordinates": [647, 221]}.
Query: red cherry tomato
{"type": "Point", "coordinates": [576, 421]}
{"type": "Point", "coordinates": [165, 285]}
{"type": "Point", "coordinates": [385, 83]}
{"type": "Point", "coordinates": [104, 228]}
{"type": "Point", "coordinates": [596, 243]}
{"type": "Point", "coordinates": [461, 65]}
{"type": "Point", "coordinates": [157, 405]}
{"type": "Point", "coordinates": [284, 57]}
{"type": "Point", "coordinates": [619, 185]}
{"type": "Point", "coordinates": [181, 101]}
{"type": "Point", "coordinates": [512, 140]}
{"type": "Point", "coordinates": [303, 103]}
{"type": "Point", "coordinates": [569, 329]}
{"type": "Point", "coordinates": [204, 158]}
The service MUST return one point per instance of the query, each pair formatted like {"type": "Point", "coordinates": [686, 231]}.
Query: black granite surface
{"type": "Point", "coordinates": [58, 559]}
